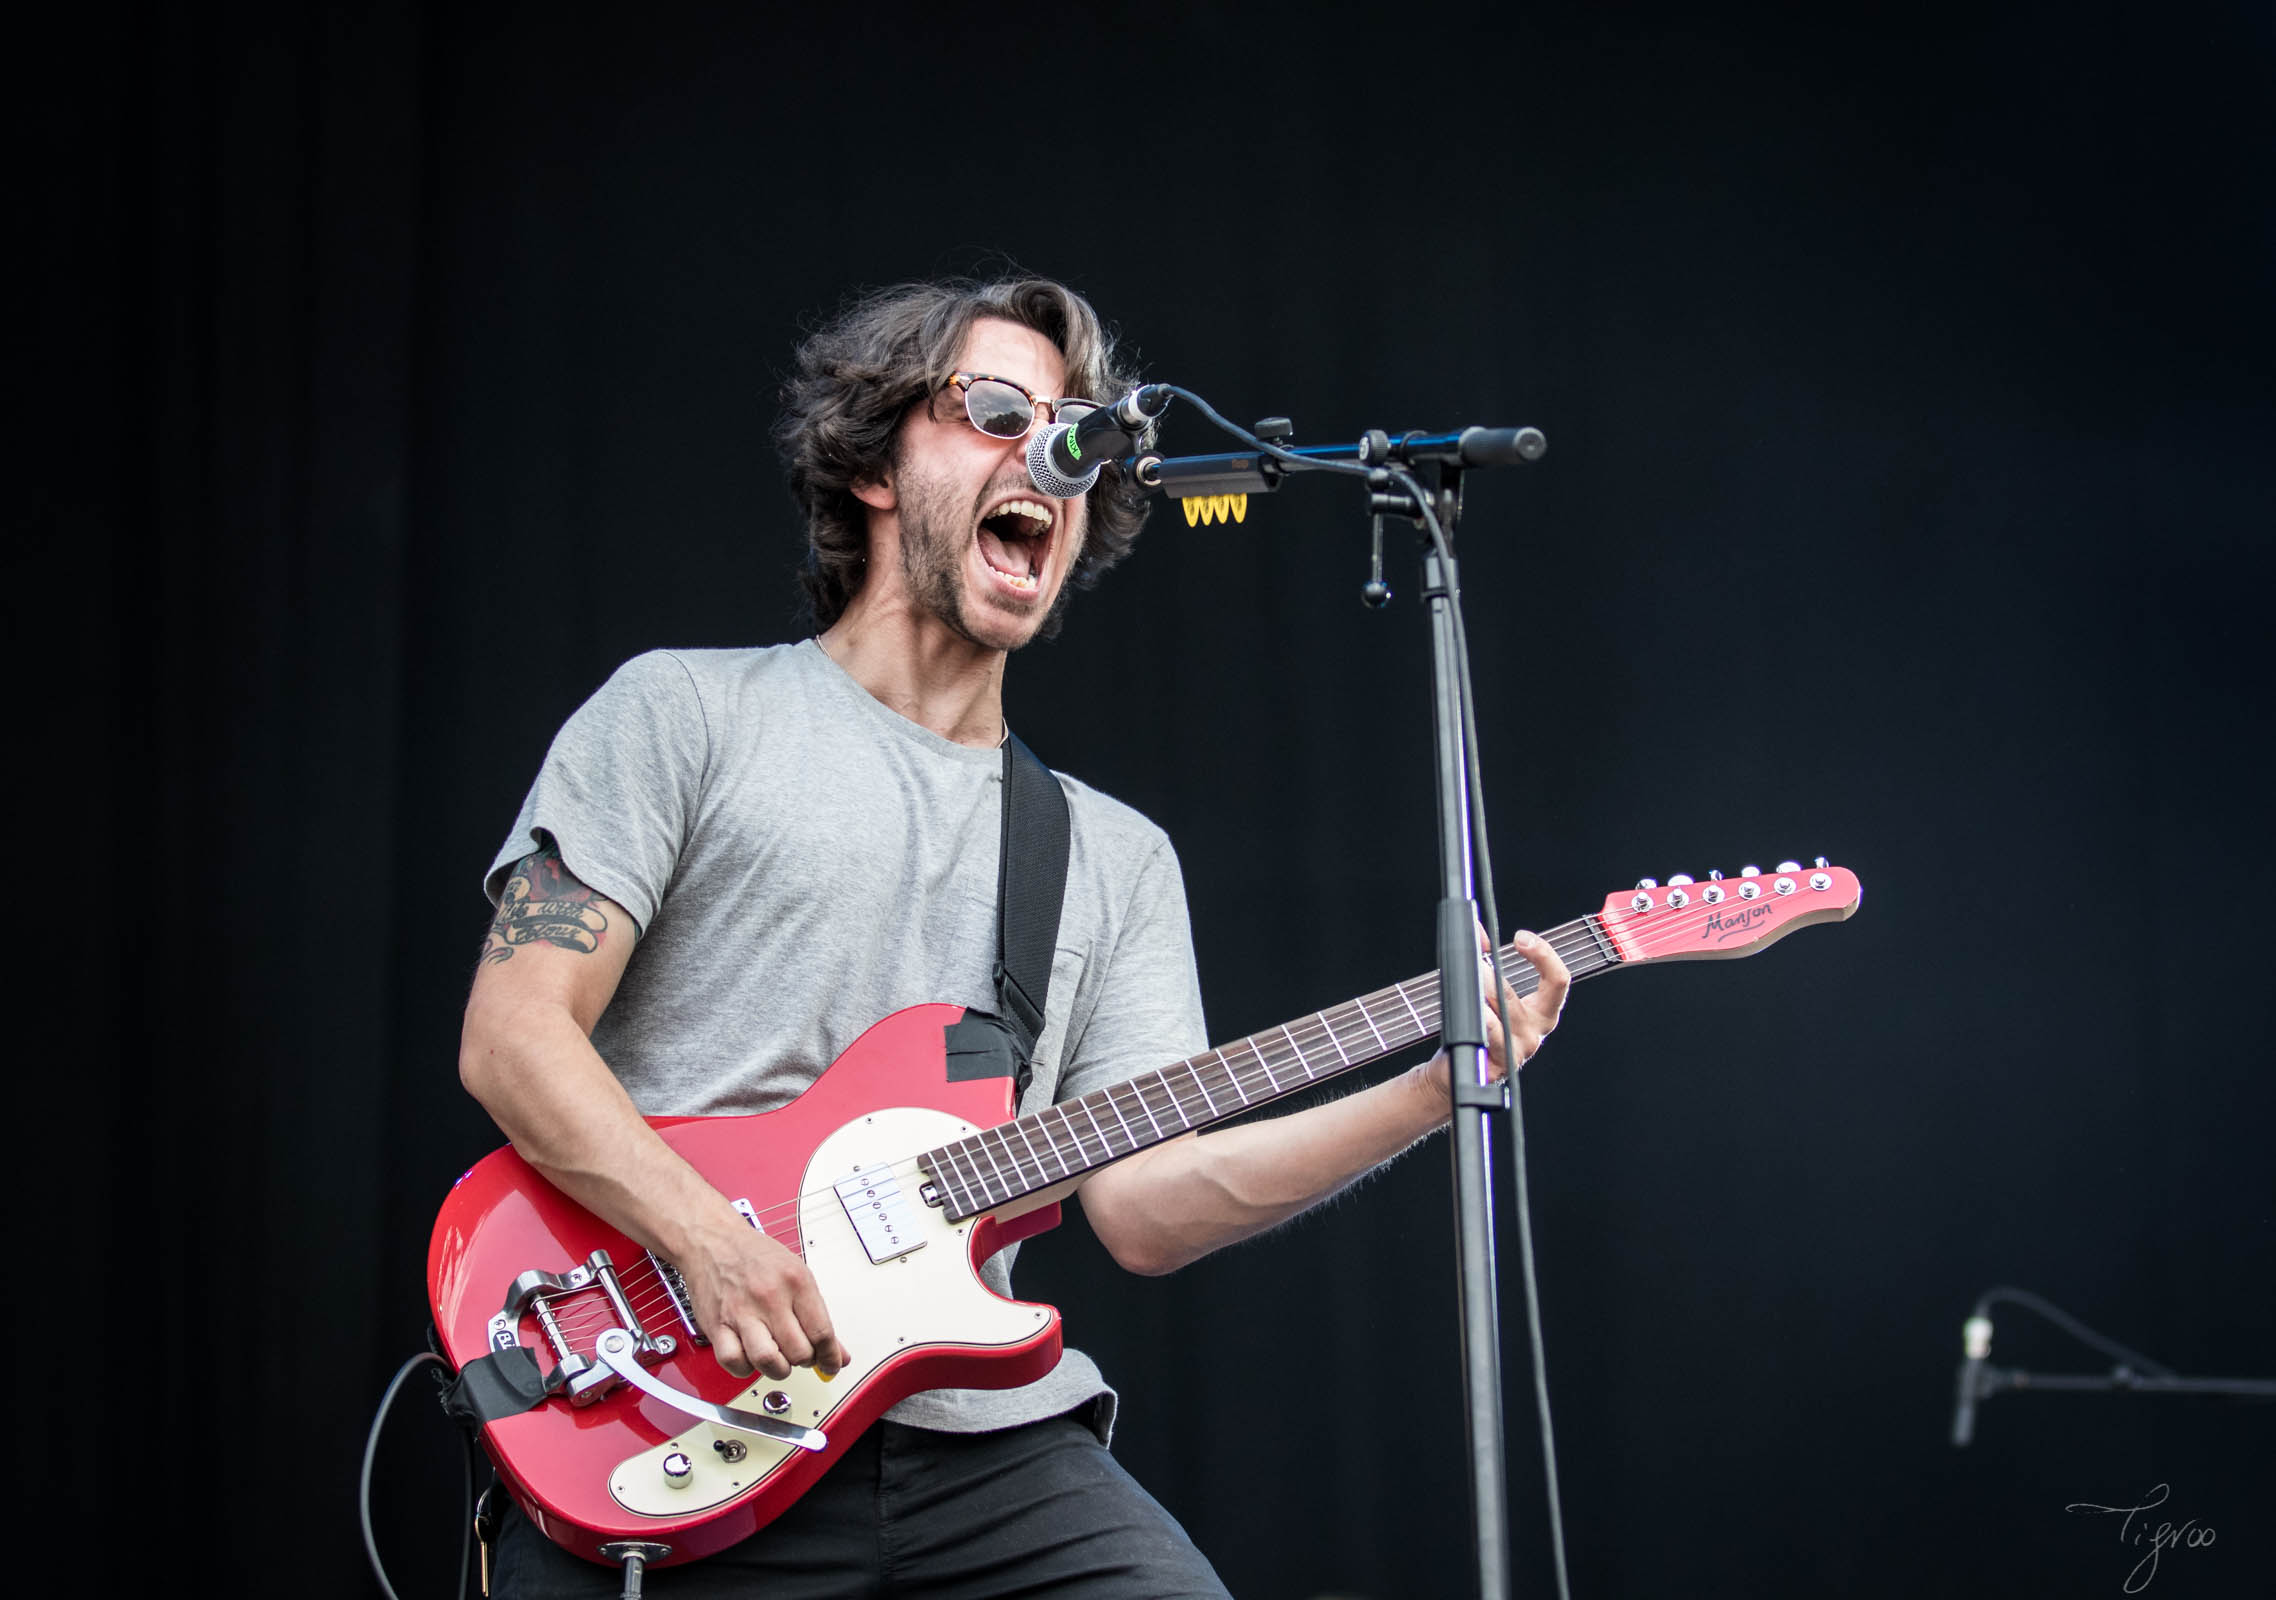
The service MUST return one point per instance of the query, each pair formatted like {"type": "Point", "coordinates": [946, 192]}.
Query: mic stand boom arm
{"type": "Point", "coordinates": [1251, 472]}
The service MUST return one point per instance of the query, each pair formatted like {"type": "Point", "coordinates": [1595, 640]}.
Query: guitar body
{"type": "Point", "coordinates": [591, 1474]}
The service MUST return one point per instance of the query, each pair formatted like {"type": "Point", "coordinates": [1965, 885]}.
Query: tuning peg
{"type": "Point", "coordinates": [1820, 862]}
{"type": "Point", "coordinates": [1750, 872]}
{"type": "Point", "coordinates": [1789, 866]}
{"type": "Point", "coordinates": [1679, 880]}
{"type": "Point", "coordinates": [1715, 874]}
{"type": "Point", "coordinates": [1647, 883]}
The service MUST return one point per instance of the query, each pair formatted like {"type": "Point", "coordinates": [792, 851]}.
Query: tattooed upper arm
{"type": "Point", "coordinates": [545, 903]}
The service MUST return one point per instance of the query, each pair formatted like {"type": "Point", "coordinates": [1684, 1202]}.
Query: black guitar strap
{"type": "Point", "coordinates": [1031, 890]}
{"type": "Point", "coordinates": [1028, 901]}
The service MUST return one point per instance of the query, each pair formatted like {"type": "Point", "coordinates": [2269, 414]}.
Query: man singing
{"type": "Point", "coordinates": [734, 861]}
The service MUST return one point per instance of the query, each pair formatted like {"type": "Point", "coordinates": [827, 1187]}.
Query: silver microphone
{"type": "Point", "coordinates": [1064, 459]}
{"type": "Point", "coordinates": [1047, 476]}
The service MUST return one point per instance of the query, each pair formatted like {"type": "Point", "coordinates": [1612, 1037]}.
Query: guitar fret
{"type": "Point", "coordinates": [963, 1186]}
{"type": "Point", "coordinates": [981, 1139]}
{"type": "Point", "coordinates": [1422, 1028]}
{"type": "Point", "coordinates": [1234, 1075]}
{"type": "Point", "coordinates": [1040, 1170]}
{"type": "Point", "coordinates": [1257, 1050]}
{"type": "Point", "coordinates": [1127, 1131]}
{"type": "Point", "coordinates": [1031, 1170]}
{"type": "Point", "coordinates": [1103, 1145]}
{"type": "Point", "coordinates": [1332, 1039]}
{"type": "Point", "coordinates": [1268, 1073]}
{"type": "Point", "coordinates": [970, 1182]}
{"type": "Point", "coordinates": [1042, 1120]}
{"type": "Point", "coordinates": [1195, 1074]}
{"type": "Point", "coordinates": [949, 1174]}
{"type": "Point", "coordinates": [1367, 1041]}
{"type": "Point", "coordinates": [1177, 1105]}
{"type": "Point", "coordinates": [1360, 1006]}
{"type": "Point", "coordinates": [1139, 1095]}
{"type": "Point", "coordinates": [979, 1180]}
{"type": "Point", "coordinates": [1067, 1123]}
{"type": "Point", "coordinates": [1234, 1079]}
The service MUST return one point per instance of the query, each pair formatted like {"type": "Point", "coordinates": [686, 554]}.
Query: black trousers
{"type": "Point", "coordinates": [1037, 1510]}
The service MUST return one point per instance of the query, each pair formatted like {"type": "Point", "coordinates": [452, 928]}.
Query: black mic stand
{"type": "Point", "coordinates": [1476, 1098]}
{"type": "Point", "coordinates": [1418, 476]}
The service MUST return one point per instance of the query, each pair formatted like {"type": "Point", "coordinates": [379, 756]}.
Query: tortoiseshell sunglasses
{"type": "Point", "coordinates": [1002, 409]}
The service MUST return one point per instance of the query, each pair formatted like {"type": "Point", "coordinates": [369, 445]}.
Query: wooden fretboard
{"type": "Point", "coordinates": [1060, 1142]}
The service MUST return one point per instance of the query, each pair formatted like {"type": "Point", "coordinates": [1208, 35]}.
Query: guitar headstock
{"type": "Point", "coordinates": [1726, 917]}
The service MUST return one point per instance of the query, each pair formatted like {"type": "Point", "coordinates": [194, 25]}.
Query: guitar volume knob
{"type": "Point", "coordinates": [678, 1469]}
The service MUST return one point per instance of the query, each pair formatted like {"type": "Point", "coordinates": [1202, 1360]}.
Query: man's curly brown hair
{"type": "Point", "coordinates": [894, 348]}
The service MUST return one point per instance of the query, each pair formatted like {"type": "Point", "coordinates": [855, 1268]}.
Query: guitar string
{"type": "Point", "coordinates": [1569, 939]}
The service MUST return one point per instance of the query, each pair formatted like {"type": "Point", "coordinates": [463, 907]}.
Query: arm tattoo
{"type": "Point", "coordinates": [545, 903]}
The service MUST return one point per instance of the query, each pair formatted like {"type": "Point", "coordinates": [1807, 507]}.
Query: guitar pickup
{"type": "Point", "coordinates": [880, 1214]}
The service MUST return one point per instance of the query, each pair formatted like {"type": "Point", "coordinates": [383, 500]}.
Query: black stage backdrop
{"type": "Point", "coordinates": [1908, 388]}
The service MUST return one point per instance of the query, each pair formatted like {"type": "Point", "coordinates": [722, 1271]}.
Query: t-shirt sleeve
{"type": "Point", "coordinates": [619, 789]}
{"type": "Point", "coordinates": [1148, 1011]}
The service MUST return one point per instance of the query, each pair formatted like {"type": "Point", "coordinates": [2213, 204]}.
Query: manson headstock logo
{"type": "Point", "coordinates": [1725, 923]}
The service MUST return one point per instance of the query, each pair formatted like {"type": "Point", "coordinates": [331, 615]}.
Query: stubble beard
{"type": "Point", "coordinates": [935, 533]}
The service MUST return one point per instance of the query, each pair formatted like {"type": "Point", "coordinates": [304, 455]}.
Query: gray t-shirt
{"type": "Point", "coordinates": [802, 862]}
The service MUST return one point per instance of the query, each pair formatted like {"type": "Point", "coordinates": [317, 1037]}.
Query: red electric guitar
{"type": "Point", "coordinates": [895, 1183]}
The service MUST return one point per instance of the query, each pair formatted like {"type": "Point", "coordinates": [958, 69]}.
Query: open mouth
{"type": "Point", "coordinates": [1014, 539]}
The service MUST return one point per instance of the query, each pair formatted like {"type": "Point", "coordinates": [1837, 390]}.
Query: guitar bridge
{"type": "Point", "coordinates": [564, 1304]}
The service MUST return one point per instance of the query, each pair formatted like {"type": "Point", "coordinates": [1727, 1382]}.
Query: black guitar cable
{"type": "Point", "coordinates": [371, 1452]}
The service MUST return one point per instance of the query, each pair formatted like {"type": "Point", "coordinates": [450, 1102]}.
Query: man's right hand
{"type": "Point", "coordinates": [755, 1301]}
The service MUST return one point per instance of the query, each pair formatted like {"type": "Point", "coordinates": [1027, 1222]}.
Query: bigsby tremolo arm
{"type": "Point", "coordinates": [617, 1352]}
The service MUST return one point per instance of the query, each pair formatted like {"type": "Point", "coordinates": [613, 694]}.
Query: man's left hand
{"type": "Point", "coordinates": [1531, 1019]}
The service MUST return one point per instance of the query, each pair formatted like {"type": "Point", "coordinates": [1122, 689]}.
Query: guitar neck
{"type": "Point", "coordinates": [1067, 1141]}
